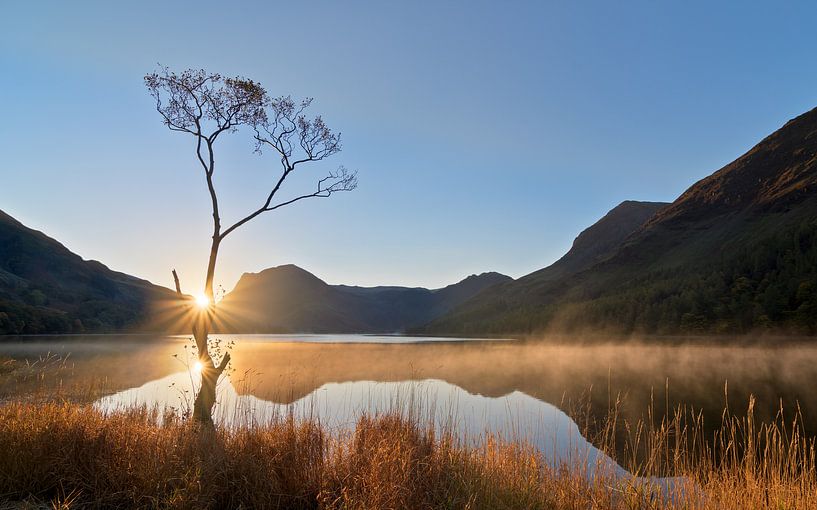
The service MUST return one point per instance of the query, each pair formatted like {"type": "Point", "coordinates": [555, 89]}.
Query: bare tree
{"type": "Point", "coordinates": [207, 106]}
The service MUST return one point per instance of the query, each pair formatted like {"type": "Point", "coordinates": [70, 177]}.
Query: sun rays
{"type": "Point", "coordinates": [202, 301]}
{"type": "Point", "coordinates": [177, 314]}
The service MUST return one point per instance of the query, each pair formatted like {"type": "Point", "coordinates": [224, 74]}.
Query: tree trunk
{"type": "Point", "coordinates": [202, 323]}
{"type": "Point", "coordinates": [206, 398]}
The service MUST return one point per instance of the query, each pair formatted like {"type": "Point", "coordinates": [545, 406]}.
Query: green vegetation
{"type": "Point", "coordinates": [45, 288]}
{"type": "Point", "coordinates": [91, 316]}
{"type": "Point", "coordinates": [764, 285]}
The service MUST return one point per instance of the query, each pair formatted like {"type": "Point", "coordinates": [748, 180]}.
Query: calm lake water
{"type": "Point", "coordinates": [513, 389]}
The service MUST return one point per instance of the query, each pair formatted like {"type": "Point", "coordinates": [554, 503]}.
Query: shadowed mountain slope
{"type": "Point", "coordinates": [45, 288]}
{"type": "Point", "coordinates": [288, 299]}
{"type": "Point", "coordinates": [598, 241]}
{"type": "Point", "coordinates": [736, 252]}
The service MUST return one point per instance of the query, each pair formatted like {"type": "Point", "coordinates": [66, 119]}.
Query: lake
{"type": "Point", "coordinates": [545, 394]}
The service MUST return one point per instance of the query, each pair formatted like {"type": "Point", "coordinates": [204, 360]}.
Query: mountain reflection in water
{"type": "Point", "coordinates": [523, 379]}
{"type": "Point", "coordinates": [515, 417]}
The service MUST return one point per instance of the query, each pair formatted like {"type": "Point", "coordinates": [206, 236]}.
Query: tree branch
{"type": "Point", "coordinates": [176, 281]}
{"type": "Point", "coordinates": [343, 180]}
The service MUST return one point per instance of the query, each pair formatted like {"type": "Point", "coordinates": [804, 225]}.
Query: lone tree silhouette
{"type": "Point", "coordinates": [206, 106]}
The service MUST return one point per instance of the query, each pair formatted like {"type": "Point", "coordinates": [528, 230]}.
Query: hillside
{"type": "Point", "coordinates": [288, 299]}
{"type": "Point", "coordinates": [45, 288]}
{"type": "Point", "coordinates": [736, 252]}
{"type": "Point", "coordinates": [598, 241]}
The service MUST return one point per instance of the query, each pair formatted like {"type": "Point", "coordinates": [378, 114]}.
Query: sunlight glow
{"type": "Point", "coordinates": [197, 366]}
{"type": "Point", "coordinates": [202, 301]}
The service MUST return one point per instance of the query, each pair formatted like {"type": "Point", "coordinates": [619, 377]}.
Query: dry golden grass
{"type": "Point", "coordinates": [67, 455]}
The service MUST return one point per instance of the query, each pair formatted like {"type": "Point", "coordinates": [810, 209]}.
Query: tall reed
{"type": "Point", "coordinates": [68, 455]}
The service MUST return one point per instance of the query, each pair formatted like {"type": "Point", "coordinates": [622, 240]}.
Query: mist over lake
{"type": "Point", "coordinates": [647, 379]}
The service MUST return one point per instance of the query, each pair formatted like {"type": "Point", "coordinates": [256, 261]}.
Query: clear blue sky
{"type": "Point", "coordinates": [486, 135]}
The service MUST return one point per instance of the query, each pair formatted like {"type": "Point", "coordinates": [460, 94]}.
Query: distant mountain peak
{"type": "Point", "coordinates": [487, 274]}
{"type": "Point", "coordinates": [290, 299]}
{"type": "Point", "coordinates": [619, 221]}
{"type": "Point", "coordinates": [283, 268]}
{"type": "Point", "coordinates": [486, 279]}
{"type": "Point", "coordinates": [600, 240]}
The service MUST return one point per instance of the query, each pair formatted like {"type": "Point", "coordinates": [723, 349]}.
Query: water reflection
{"type": "Point", "coordinates": [515, 417]}
{"type": "Point", "coordinates": [289, 369]}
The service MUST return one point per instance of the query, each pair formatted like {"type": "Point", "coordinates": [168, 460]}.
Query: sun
{"type": "Point", "coordinates": [197, 366]}
{"type": "Point", "coordinates": [202, 301]}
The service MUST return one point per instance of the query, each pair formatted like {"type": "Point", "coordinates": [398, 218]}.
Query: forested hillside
{"type": "Point", "coordinates": [737, 252]}
{"type": "Point", "coordinates": [45, 288]}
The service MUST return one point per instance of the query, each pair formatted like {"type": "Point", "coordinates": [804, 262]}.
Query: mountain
{"type": "Point", "coordinates": [591, 246]}
{"type": "Point", "coordinates": [288, 299]}
{"type": "Point", "coordinates": [736, 252]}
{"type": "Point", "coordinates": [598, 241]}
{"type": "Point", "coordinates": [45, 288]}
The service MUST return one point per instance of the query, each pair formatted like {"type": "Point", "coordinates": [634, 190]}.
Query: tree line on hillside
{"type": "Point", "coordinates": [34, 317]}
{"type": "Point", "coordinates": [769, 286]}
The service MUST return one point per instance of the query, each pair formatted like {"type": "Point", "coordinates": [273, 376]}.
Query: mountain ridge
{"type": "Point", "coordinates": [289, 299]}
{"type": "Point", "coordinates": [46, 288]}
{"type": "Point", "coordinates": [735, 252]}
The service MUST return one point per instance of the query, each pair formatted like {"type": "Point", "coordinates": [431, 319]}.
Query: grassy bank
{"type": "Point", "coordinates": [65, 455]}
